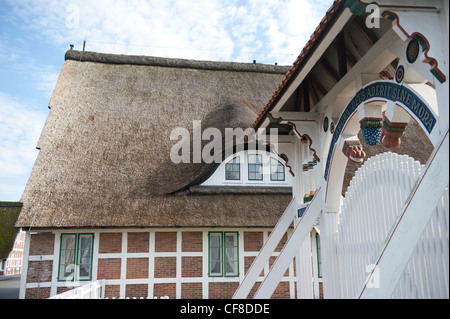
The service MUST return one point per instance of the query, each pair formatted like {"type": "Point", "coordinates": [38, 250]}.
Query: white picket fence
{"type": "Point", "coordinates": [94, 290]}
{"type": "Point", "coordinates": [369, 211]}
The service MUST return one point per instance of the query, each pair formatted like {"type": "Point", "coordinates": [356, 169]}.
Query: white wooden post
{"type": "Point", "coordinates": [330, 261]}
{"type": "Point", "coordinates": [304, 271]}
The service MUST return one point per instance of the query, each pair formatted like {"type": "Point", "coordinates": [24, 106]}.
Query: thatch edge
{"type": "Point", "coordinates": [88, 56]}
{"type": "Point", "coordinates": [241, 190]}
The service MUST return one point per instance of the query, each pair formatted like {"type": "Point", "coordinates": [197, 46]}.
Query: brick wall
{"type": "Point", "coordinates": [222, 290]}
{"type": "Point", "coordinates": [191, 290]}
{"type": "Point", "coordinates": [165, 242]}
{"type": "Point", "coordinates": [165, 267]}
{"type": "Point", "coordinates": [109, 268]}
{"type": "Point", "coordinates": [39, 271]}
{"type": "Point", "coordinates": [192, 242]}
{"type": "Point", "coordinates": [148, 263]}
{"type": "Point", "coordinates": [138, 242]}
{"type": "Point", "coordinates": [191, 266]}
{"type": "Point", "coordinates": [253, 241]}
{"type": "Point", "coordinates": [42, 244]}
{"type": "Point", "coordinates": [110, 243]}
{"type": "Point", "coordinates": [137, 268]}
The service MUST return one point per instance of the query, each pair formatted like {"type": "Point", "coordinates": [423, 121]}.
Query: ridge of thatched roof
{"type": "Point", "coordinates": [104, 158]}
{"type": "Point", "coordinates": [87, 56]}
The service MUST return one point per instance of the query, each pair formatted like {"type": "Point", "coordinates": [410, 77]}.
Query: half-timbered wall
{"type": "Point", "coordinates": [150, 263]}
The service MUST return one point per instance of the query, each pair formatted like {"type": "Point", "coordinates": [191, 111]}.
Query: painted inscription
{"type": "Point", "coordinates": [385, 91]}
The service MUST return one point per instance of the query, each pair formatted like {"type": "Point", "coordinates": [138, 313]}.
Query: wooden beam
{"type": "Point", "coordinates": [296, 116]}
{"type": "Point", "coordinates": [373, 56]}
{"type": "Point", "coordinates": [312, 61]}
{"type": "Point", "coordinates": [306, 100]}
{"type": "Point", "coordinates": [329, 69]}
{"type": "Point", "coordinates": [367, 34]}
{"type": "Point", "coordinates": [315, 97]}
{"type": "Point", "coordinates": [290, 249]}
{"type": "Point", "coordinates": [266, 251]}
{"type": "Point", "coordinates": [342, 60]}
{"type": "Point", "coordinates": [318, 85]}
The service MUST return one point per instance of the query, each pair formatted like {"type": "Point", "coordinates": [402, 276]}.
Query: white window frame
{"type": "Point", "coordinates": [218, 178]}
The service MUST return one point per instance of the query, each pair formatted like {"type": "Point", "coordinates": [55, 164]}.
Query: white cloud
{"type": "Point", "coordinates": [202, 29]}
{"type": "Point", "coordinates": [20, 127]}
{"type": "Point", "coordinates": [236, 30]}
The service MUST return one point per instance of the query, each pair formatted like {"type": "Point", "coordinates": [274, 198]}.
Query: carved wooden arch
{"type": "Point", "coordinates": [385, 102]}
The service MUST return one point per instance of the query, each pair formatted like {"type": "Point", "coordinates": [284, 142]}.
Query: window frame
{"type": "Point", "coordinates": [256, 164]}
{"type": "Point", "coordinates": [222, 254]}
{"type": "Point", "coordinates": [76, 258]}
{"type": "Point", "coordinates": [233, 164]}
{"type": "Point", "coordinates": [278, 164]}
{"type": "Point", "coordinates": [319, 256]}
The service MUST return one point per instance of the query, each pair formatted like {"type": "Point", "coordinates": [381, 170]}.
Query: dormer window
{"type": "Point", "coordinates": [276, 170]}
{"type": "Point", "coordinates": [251, 168]}
{"type": "Point", "coordinates": [233, 170]}
{"type": "Point", "coordinates": [255, 167]}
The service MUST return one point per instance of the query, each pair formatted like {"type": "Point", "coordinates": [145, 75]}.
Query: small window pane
{"type": "Point", "coordinates": [231, 254]}
{"type": "Point", "coordinates": [84, 256]}
{"type": "Point", "coordinates": [255, 167]}
{"type": "Point", "coordinates": [276, 170]}
{"type": "Point", "coordinates": [233, 169]}
{"type": "Point", "coordinates": [215, 254]}
{"type": "Point", "coordinates": [67, 257]}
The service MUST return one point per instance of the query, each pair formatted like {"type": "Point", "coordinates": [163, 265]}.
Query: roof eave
{"type": "Point", "coordinates": [334, 20]}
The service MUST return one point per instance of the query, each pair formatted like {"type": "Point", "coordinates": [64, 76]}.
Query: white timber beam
{"type": "Point", "coordinates": [266, 251]}
{"type": "Point", "coordinates": [291, 248]}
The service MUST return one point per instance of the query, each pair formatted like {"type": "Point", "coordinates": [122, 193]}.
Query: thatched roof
{"type": "Point", "coordinates": [9, 211]}
{"type": "Point", "coordinates": [104, 155]}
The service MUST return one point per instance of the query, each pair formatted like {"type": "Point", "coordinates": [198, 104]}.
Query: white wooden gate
{"type": "Point", "coordinates": [368, 213]}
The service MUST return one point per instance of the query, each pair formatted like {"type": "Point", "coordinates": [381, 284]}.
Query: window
{"type": "Point", "coordinates": [255, 172]}
{"type": "Point", "coordinates": [223, 254]}
{"type": "Point", "coordinates": [276, 170]}
{"type": "Point", "coordinates": [319, 257]}
{"type": "Point", "coordinates": [233, 170]}
{"type": "Point", "coordinates": [251, 168]}
{"type": "Point", "coordinates": [75, 260]}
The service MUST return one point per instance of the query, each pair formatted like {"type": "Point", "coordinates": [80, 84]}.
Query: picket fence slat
{"type": "Point", "coordinates": [369, 210]}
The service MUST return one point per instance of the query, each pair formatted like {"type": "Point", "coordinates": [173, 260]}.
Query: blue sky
{"type": "Point", "coordinates": [35, 34]}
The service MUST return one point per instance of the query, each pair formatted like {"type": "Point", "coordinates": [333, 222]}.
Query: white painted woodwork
{"type": "Point", "coordinates": [370, 213]}
{"type": "Point", "coordinates": [218, 177]}
{"type": "Point", "coordinates": [266, 251]}
{"type": "Point", "coordinates": [409, 226]}
{"type": "Point", "coordinates": [291, 248]}
{"type": "Point", "coordinates": [93, 290]}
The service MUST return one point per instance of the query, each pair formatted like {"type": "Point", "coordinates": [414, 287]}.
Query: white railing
{"type": "Point", "coordinates": [266, 251]}
{"type": "Point", "coordinates": [369, 211]}
{"type": "Point", "coordinates": [290, 248]}
{"type": "Point", "coordinates": [94, 290]}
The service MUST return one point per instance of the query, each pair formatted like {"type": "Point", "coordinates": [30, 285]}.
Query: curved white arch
{"type": "Point", "coordinates": [388, 92]}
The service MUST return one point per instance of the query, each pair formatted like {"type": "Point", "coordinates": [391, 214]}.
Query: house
{"type": "Point", "coordinates": [105, 200]}
{"type": "Point", "coordinates": [121, 191]}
